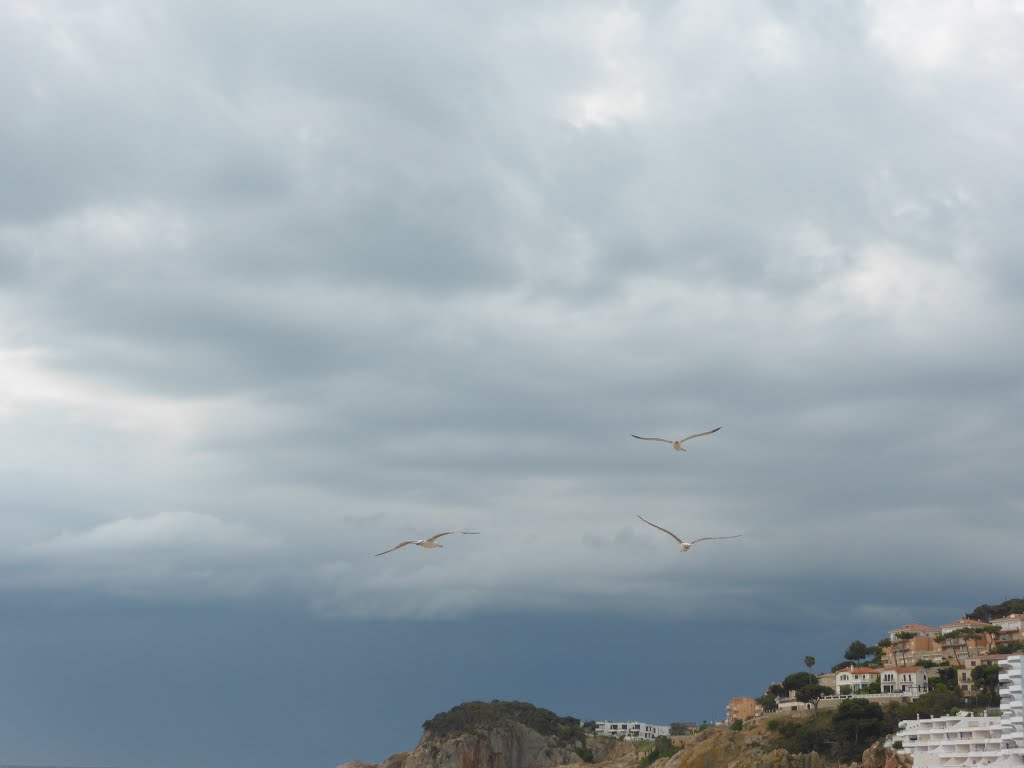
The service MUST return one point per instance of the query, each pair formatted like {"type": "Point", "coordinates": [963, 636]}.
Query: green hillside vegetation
{"type": "Point", "coordinates": [473, 716]}
{"type": "Point", "coordinates": [844, 733]}
{"type": "Point", "coordinates": [662, 746]}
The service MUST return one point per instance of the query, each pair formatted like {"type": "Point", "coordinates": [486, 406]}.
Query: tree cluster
{"type": "Point", "coordinates": [844, 733]}
{"type": "Point", "coordinates": [986, 612]}
{"type": "Point", "coordinates": [472, 716]}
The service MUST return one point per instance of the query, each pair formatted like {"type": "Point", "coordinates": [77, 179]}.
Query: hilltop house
{"type": "Point", "coordinates": [904, 679]}
{"type": "Point", "coordinates": [631, 731]}
{"type": "Point", "coordinates": [853, 679]}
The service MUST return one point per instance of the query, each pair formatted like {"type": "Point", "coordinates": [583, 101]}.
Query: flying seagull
{"type": "Point", "coordinates": [684, 546]}
{"type": "Point", "coordinates": [430, 543]}
{"type": "Point", "coordinates": [677, 444]}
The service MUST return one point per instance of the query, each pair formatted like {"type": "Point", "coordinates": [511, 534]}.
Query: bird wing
{"type": "Point", "coordinates": [397, 546]}
{"type": "Point", "coordinates": [711, 538]}
{"type": "Point", "coordinates": [659, 439]}
{"type": "Point", "coordinates": [662, 529]}
{"type": "Point", "coordinates": [700, 434]}
{"type": "Point", "coordinates": [449, 533]}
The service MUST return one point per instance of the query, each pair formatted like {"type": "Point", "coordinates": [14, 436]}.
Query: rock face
{"type": "Point", "coordinates": [506, 745]}
{"type": "Point", "coordinates": [511, 745]}
{"type": "Point", "coordinates": [878, 756]}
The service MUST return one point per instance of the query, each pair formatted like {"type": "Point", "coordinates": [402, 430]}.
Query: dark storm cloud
{"type": "Point", "coordinates": [282, 286]}
{"type": "Point", "coordinates": [353, 274]}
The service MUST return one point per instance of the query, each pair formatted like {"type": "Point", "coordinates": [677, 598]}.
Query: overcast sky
{"type": "Point", "coordinates": [282, 285]}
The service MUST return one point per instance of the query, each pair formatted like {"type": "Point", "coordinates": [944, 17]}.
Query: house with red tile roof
{"type": "Point", "coordinates": [962, 624]}
{"type": "Point", "coordinates": [919, 630]}
{"type": "Point", "coordinates": [853, 679]}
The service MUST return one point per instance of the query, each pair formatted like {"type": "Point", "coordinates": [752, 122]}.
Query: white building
{"type": "Point", "coordinates": [966, 740]}
{"type": "Point", "coordinates": [955, 740]}
{"type": "Point", "coordinates": [904, 680]}
{"type": "Point", "coordinates": [1011, 706]}
{"type": "Point", "coordinates": [852, 679]}
{"type": "Point", "coordinates": [631, 731]}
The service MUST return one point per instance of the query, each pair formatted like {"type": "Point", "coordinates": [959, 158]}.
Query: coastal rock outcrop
{"type": "Point", "coordinates": [504, 735]}
{"type": "Point", "coordinates": [508, 745]}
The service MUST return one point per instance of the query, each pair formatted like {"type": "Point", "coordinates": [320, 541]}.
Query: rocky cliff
{"type": "Point", "coordinates": [508, 745]}
{"type": "Point", "coordinates": [504, 735]}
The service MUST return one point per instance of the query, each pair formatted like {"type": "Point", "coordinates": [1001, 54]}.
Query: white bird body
{"type": "Point", "coordinates": [430, 543]}
{"type": "Point", "coordinates": [677, 444]}
{"type": "Point", "coordinates": [684, 546]}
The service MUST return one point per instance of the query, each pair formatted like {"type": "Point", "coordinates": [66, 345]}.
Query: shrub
{"type": "Point", "coordinates": [662, 747]}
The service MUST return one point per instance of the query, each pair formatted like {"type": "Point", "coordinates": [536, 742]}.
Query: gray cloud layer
{"type": "Point", "coordinates": [279, 288]}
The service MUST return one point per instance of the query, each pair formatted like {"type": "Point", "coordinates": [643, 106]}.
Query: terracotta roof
{"type": "Point", "coordinates": [858, 671]}
{"type": "Point", "coordinates": [918, 627]}
{"type": "Point", "coordinates": [966, 623]}
{"type": "Point", "coordinates": [1011, 616]}
{"type": "Point", "coordinates": [898, 670]}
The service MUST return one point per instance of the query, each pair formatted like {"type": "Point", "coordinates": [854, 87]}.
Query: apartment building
{"type": "Point", "coordinates": [952, 741]}
{"type": "Point", "coordinates": [964, 676]}
{"type": "Point", "coordinates": [1011, 628]}
{"type": "Point", "coordinates": [937, 644]}
{"type": "Point", "coordinates": [956, 649]}
{"type": "Point", "coordinates": [968, 740]}
{"type": "Point", "coordinates": [1011, 708]}
{"type": "Point", "coordinates": [918, 630]}
{"type": "Point", "coordinates": [631, 731]}
{"type": "Point", "coordinates": [911, 650]}
{"type": "Point", "coordinates": [742, 708]}
{"type": "Point", "coordinates": [917, 644]}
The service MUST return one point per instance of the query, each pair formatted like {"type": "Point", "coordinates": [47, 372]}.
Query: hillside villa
{"type": "Point", "coordinates": [630, 730]}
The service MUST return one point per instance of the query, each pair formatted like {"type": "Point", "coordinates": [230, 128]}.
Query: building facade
{"type": "Point", "coordinates": [853, 679]}
{"type": "Point", "coordinates": [904, 680]}
{"type": "Point", "coordinates": [631, 730]}
{"type": "Point", "coordinates": [1011, 628]}
{"type": "Point", "coordinates": [952, 741]}
{"type": "Point", "coordinates": [1011, 708]}
{"type": "Point", "coordinates": [742, 708]}
{"type": "Point", "coordinates": [917, 630]}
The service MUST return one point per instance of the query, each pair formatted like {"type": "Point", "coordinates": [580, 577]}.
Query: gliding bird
{"type": "Point", "coordinates": [684, 546]}
{"type": "Point", "coordinates": [677, 444]}
{"type": "Point", "coordinates": [430, 543]}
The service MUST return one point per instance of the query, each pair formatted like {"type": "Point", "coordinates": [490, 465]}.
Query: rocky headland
{"type": "Point", "coordinates": [518, 735]}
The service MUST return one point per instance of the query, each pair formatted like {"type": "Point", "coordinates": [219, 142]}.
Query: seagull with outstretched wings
{"type": "Point", "coordinates": [677, 444]}
{"type": "Point", "coordinates": [430, 543]}
{"type": "Point", "coordinates": [684, 546]}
